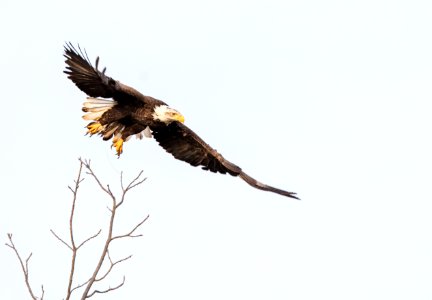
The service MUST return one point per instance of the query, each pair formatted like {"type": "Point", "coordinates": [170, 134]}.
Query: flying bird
{"type": "Point", "coordinates": [117, 112]}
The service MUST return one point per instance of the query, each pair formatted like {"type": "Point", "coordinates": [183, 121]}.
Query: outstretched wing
{"type": "Point", "coordinates": [94, 82]}
{"type": "Point", "coordinates": [87, 78]}
{"type": "Point", "coordinates": [186, 145]}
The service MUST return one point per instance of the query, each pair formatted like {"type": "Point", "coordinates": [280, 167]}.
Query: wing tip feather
{"type": "Point", "coordinates": [261, 186]}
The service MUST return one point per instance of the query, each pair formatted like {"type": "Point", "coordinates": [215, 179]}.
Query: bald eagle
{"type": "Point", "coordinates": [117, 111]}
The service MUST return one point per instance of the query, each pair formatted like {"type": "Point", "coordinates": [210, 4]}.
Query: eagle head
{"type": "Point", "coordinates": [166, 114]}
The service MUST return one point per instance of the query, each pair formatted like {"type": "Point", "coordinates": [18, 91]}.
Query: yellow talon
{"type": "Point", "coordinates": [118, 144]}
{"type": "Point", "coordinates": [94, 127]}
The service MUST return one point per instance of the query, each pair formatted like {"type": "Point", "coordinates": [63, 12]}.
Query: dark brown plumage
{"type": "Point", "coordinates": [125, 112]}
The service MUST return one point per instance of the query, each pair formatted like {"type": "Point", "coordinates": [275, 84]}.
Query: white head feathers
{"type": "Point", "coordinates": [167, 114]}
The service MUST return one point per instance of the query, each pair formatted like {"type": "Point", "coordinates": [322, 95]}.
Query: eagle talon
{"type": "Point", "coordinates": [94, 128]}
{"type": "Point", "coordinates": [118, 144]}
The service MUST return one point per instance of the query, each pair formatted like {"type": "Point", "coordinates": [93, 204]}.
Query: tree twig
{"type": "Point", "coordinates": [89, 238]}
{"type": "Point", "coordinates": [72, 245]}
{"type": "Point", "coordinates": [60, 239]}
{"type": "Point", "coordinates": [71, 234]}
{"type": "Point", "coordinates": [25, 268]}
{"type": "Point", "coordinates": [108, 289]}
{"type": "Point", "coordinates": [112, 264]}
{"type": "Point", "coordinates": [80, 285]}
{"type": "Point", "coordinates": [130, 233]}
{"type": "Point", "coordinates": [113, 209]}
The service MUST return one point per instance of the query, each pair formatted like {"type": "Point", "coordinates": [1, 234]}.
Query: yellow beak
{"type": "Point", "coordinates": [180, 118]}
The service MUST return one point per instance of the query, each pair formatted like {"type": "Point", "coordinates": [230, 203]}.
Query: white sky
{"type": "Point", "coordinates": [329, 99]}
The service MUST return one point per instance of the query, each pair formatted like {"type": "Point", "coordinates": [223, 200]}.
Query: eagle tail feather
{"type": "Point", "coordinates": [96, 107]}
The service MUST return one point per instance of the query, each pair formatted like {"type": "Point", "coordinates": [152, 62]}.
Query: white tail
{"type": "Point", "coordinates": [96, 107]}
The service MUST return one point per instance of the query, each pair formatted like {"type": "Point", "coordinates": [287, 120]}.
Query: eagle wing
{"type": "Point", "coordinates": [184, 144]}
{"type": "Point", "coordinates": [94, 82]}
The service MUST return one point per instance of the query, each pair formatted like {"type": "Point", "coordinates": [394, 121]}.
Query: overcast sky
{"type": "Point", "coordinates": [329, 99]}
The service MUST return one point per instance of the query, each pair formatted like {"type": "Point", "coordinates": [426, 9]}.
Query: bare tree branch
{"type": "Point", "coordinates": [130, 233]}
{"type": "Point", "coordinates": [90, 238]}
{"type": "Point", "coordinates": [113, 209]}
{"type": "Point", "coordinates": [106, 189]}
{"type": "Point", "coordinates": [72, 239]}
{"type": "Point", "coordinates": [112, 264]}
{"type": "Point", "coordinates": [24, 268]}
{"type": "Point", "coordinates": [108, 289]}
{"type": "Point", "coordinates": [121, 180]}
{"type": "Point", "coordinates": [97, 276]}
{"type": "Point", "coordinates": [60, 239]}
{"type": "Point", "coordinates": [135, 182]}
{"type": "Point", "coordinates": [79, 285]}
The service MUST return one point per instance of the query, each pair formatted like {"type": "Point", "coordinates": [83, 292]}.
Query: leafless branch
{"type": "Point", "coordinates": [80, 285]}
{"type": "Point", "coordinates": [90, 238]}
{"type": "Point", "coordinates": [112, 264]}
{"type": "Point", "coordinates": [135, 182]}
{"type": "Point", "coordinates": [121, 180]}
{"type": "Point", "coordinates": [97, 276]}
{"type": "Point", "coordinates": [60, 239]}
{"type": "Point", "coordinates": [71, 234]}
{"type": "Point", "coordinates": [108, 289]}
{"type": "Point", "coordinates": [130, 233]}
{"type": "Point", "coordinates": [106, 189]}
{"type": "Point", "coordinates": [25, 268]}
{"type": "Point", "coordinates": [113, 209]}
